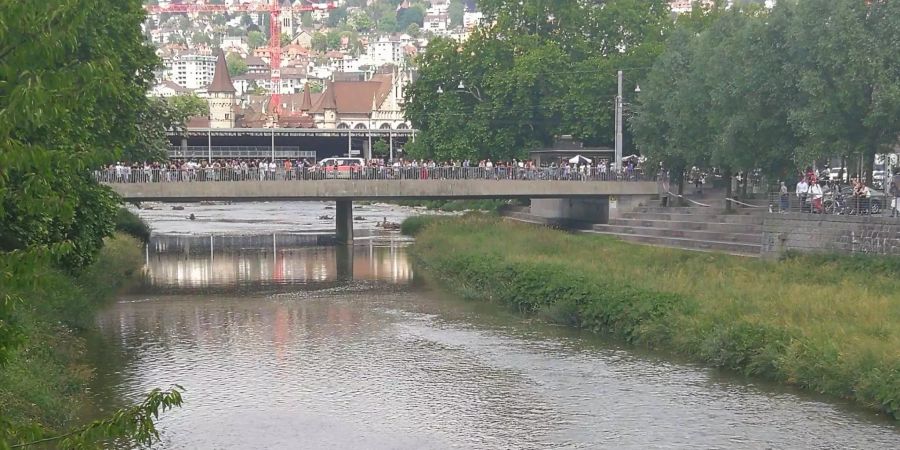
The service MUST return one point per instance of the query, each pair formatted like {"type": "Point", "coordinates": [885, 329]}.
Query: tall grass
{"type": "Point", "coordinates": [831, 325]}
{"type": "Point", "coordinates": [42, 383]}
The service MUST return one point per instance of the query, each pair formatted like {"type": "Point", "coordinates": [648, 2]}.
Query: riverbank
{"type": "Point", "coordinates": [42, 385]}
{"type": "Point", "coordinates": [825, 324]}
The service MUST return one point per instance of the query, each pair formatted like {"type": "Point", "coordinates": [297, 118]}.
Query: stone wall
{"type": "Point", "coordinates": [818, 233]}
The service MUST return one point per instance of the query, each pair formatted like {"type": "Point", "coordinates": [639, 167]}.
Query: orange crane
{"type": "Point", "coordinates": [274, 9]}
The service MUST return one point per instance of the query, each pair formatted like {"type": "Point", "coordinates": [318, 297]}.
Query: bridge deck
{"type": "Point", "coordinates": [376, 189]}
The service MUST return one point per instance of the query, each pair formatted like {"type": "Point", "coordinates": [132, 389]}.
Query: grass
{"type": "Point", "coordinates": [827, 324]}
{"type": "Point", "coordinates": [492, 205]}
{"type": "Point", "coordinates": [129, 223]}
{"type": "Point", "coordinates": [43, 382]}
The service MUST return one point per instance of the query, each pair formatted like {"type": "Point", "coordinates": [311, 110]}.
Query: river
{"type": "Point", "coordinates": [284, 341]}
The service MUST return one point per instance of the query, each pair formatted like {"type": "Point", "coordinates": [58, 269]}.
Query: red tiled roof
{"type": "Point", "coordinates": [355, 97]}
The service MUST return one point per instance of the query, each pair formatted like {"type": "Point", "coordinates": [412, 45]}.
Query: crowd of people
{"type": "Point", "coordinates": [819, 195]}
{"type": "Point", "coordinates": [299, 169]}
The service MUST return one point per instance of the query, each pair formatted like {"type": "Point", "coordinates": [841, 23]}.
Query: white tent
{"type": "Point", "coordinates": [578, 159]}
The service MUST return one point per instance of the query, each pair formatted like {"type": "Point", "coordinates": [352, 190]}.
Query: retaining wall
{"type": "Point", "coordinates": [827, 233]}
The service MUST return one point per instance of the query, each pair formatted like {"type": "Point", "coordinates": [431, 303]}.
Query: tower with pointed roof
{"type": "Point", "coordinates": [221, 96]}
{"type": "Point", "coordinates": [329, 106]}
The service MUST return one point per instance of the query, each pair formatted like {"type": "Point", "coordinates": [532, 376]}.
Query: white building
{"type": "Point", "coordinates": [472, 19]}
{"type": "Point", "coordinates": [167, 89]}
{"type": "Point", "coordinates": [191, 71]}
{"type": "Point", "coordinates": [686, 6]}
{"type": "Point", "coordinates": [387, 50]}
{"type": "Point", "coordinates": [436, 23]}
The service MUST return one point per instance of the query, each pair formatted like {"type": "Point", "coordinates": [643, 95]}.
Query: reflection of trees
{"type": "Point", "coordinates": [199, 264]}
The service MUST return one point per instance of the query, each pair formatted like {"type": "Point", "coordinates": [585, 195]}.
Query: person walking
{"type": "Point", "coordinates": [894, 190]}
{"type": "Point", "coordinates": [785, 199]}
{"type": "Point", "coordinates": [802, 193]}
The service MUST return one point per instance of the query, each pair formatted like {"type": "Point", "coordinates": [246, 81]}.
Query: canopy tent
{"type": "Point", "coordinates": [578, 159]}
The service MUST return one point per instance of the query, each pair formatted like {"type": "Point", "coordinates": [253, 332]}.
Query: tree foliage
{"type": "Point", "coordinates": [749, 88]}
{"type": "Point", "coordinates": [236, 64]}
{"type": "Point", "coordinates": [543, 68]}
{"type": "Point", "coordinates": [73, 81]}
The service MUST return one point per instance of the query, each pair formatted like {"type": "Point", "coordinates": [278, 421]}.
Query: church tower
{"type": "Point", "coordinates": [221, 96]}
{"type": "Point", "coordinates": [329, 106]}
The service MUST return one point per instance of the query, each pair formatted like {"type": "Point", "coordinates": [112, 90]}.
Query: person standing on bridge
{"type": "Point", "coordinates": [894, 190]}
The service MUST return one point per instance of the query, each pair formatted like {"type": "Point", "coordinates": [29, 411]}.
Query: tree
{"type": "Point", "coordinates": [285, 39]}
{"type": "Point", "coordinates": [256, 39]}
{"type": "Point", "coordinates": [201, 38]}
{"type": "Point", "coordinates": [413, 30]}
{"type": "Point", "coordinates": [360, 22]}
{"type": "Point", "coordinates": [319, 42]}
{"type": "Point", "coordinates": [333, 40]}
{"type": "Point", "coordinates": [336, 17]}
{"type": "Point", "coordinates": [456, 12]}
{"type": "Point", "coordinates": [414, 14]}
{"type": "Point", "coordinates": [387, 24]}
{"type": "Point", "coordinates": [514, 86]}
{"type": "Point", "coordinates": [306, 20]}
{"type": "Point", "coordinates": [236, 64]}
{"type": "Point", "coordinates": [65, 113]}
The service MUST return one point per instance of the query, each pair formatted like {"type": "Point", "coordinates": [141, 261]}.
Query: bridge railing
{"type": "Point", "coordinates": [239, 174]}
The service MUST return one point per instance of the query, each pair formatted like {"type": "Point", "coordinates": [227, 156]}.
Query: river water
{"type": "Point", "coordinates": [284, 341]}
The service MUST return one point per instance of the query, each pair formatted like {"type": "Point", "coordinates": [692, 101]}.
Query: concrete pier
{"type": "Point", "coordinates": [344, 221]}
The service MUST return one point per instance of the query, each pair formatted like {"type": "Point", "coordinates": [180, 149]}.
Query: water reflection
{"type": "Point", "coordinates": [203, 263]}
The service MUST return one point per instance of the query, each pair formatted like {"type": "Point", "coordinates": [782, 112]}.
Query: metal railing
{"type": "Point", "coordinates": [237, 151]}
{"type": "Point", "coordinates": [834, 202]}
{"type": "Point", "coordinates": [238, 174]}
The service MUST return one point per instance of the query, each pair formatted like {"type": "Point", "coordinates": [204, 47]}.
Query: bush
{"type": "Point", "coordinates": [129, 223]}
{"type": "Point", "coordinates": [414, 225]}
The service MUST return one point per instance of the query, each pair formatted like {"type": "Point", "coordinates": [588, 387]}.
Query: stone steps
{"type": "Point", "coordinates": [695, 211]}
{"type": "Point", "coordinates": [699, 235]}
{"type": "Point", "coordinates": [736, 248]}
{"type": "Point", "coordinates": [749, 219]}
{"type": "Point", "coordinates": [696, 224]}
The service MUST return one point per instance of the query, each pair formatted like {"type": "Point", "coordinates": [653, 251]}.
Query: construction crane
{"type": "Point", "coordinates": [273, 7]}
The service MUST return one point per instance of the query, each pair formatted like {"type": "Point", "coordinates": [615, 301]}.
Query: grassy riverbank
{"type": "Point", "coordinates": [43, 383]}
{"type": "Point", "coordinates": [826, 324]}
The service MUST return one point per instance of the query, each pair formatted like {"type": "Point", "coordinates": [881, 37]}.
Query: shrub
{"type": "Point", "coordinates": [129, 223]}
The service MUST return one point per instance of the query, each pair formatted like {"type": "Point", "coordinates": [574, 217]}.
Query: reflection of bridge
{"type": "Point", "coordinates": [565, 195]}
{"type": "Point", "coordinates": [230, 262]}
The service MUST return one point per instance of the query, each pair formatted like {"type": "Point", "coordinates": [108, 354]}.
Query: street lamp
{"type": "Point", "coordinates": [619, 122]}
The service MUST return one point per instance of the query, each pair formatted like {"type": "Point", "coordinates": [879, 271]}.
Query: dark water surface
{"type": "Point", "coordinates": [284, 342]}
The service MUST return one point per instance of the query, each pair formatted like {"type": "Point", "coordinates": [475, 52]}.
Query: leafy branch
{"type": "Point", "coordinates": [134, 423]}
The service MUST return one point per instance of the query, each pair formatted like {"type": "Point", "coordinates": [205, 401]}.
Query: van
{"type": "Point", "coordinates": [341, 167]}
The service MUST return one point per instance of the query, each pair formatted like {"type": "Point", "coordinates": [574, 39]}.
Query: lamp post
{"type": "Point", "coordinates": [618, 156]}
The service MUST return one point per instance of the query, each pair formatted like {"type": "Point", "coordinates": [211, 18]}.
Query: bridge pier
{"type": "Point", "coordinates": [344, 221]}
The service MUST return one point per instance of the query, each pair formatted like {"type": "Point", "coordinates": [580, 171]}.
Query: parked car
{"type": "Point", "coordinates": [340, 167]}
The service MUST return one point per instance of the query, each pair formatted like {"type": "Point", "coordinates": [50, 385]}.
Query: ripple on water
{"type": "Point", "coordinates": [370, 367]}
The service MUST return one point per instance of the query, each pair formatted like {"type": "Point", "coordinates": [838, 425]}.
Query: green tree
{"type": "Point", "coordinates": [387, 24]}
{"type": "Point", "coordinates": [256, 39]}
{"type": "Point", "coordinates": [201, 38]}
{"type": "Point", "coordinates": [412, 15]}
{"type": "Point", "coordinates": [336, 17]}
{"type": "Point", "coordinates": [545, 68]}
{"type": "Point", "coordinates": [73, 81]}
{"type": "Point", "coordinates": [319, 42]}
{"type": "Point", "coordinates": [306, 20]}
{"type": "Point", "coordinates": [285, 39]}
{"type": "Point", "coordinates": [413, 30]}
{"type": "Point", "coordinates": [360, 22]}
{"type": "Point", "coordinates": [236, 64]}
{"type": "Point", "coordinates": [333, 40]}
{"type": "Point", "coordinates": [456, 11]}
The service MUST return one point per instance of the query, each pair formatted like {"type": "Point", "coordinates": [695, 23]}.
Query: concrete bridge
{"type": "Point", "coordinates": [584, 197]}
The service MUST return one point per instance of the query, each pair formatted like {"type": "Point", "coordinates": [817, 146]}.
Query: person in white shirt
{"type": "Point", "coordinates": [815, 191]}
{"type": "Point", "coordinates": [802, 193]}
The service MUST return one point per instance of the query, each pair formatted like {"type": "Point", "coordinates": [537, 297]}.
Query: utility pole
{"type": "Point", "coordinates": [618, 162]}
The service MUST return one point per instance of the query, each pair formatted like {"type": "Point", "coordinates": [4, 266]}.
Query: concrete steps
{"type": "Point", "coordinates": [748, 219]}
{"type": "Point", "coordinates": [737, 248]}
{"type": "Point", "coordinates": [696, 224]}
{"type": "Point", "coordinates": [700, 235]}
{"type": "Point", "coordinates": [692, 228]}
